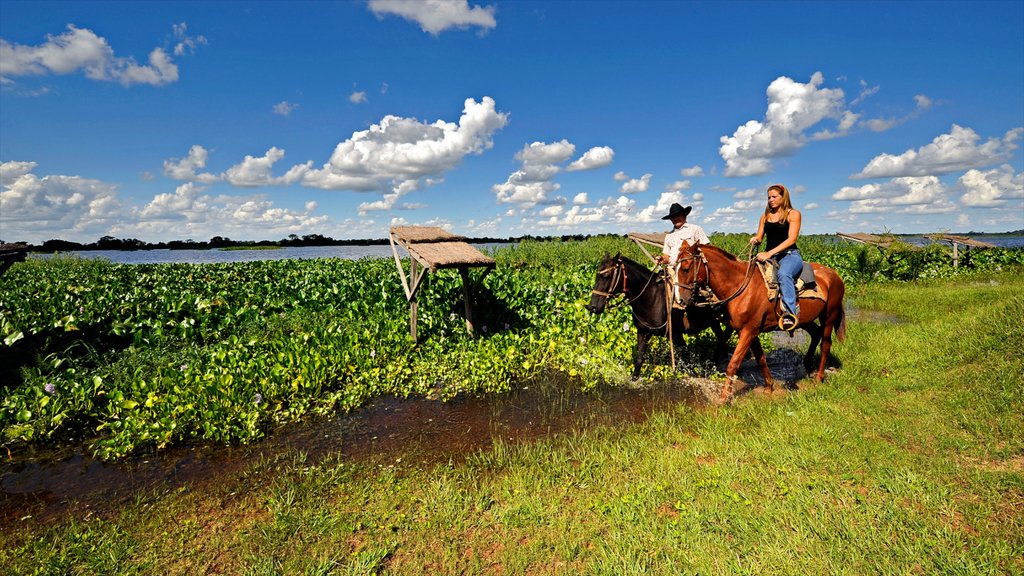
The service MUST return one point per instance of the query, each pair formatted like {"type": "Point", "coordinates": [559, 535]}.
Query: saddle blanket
{"type": "Point", "coordinates": [806, 287]}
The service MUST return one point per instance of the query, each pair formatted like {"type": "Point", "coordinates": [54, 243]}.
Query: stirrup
{"type": "Point", "coordinates": [788, 322]}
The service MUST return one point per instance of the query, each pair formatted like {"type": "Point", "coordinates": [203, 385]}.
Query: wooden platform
{"type": "Point", "coordinates": [644, 239]}
{"type": "Point", "coordinates": [430, 249]}
{"type": "Point", "coordinates": [958, 241]}
{"type": "Point", "coordinates": [870, 239]}
{"type": "Point", "coordinates": [11, 253]}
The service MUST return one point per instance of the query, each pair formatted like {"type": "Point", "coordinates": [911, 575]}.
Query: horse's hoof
{"type": "Point", "coordinates": [725, 395]}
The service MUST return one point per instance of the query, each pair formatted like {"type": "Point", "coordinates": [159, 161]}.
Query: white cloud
{"type": "Point", "coordinates": [912, 194]}
{"type": "Point", "coordinates": [958, 150]}
{"type": "Point", "coordinates": [581, 199]}
{"type": "Point", "coordinates": [252, 172]}
{"type": "Point", "coordinates": [793, 109]}
{"type": "Point", "coordinates": [399, 154]}
{"type": "Point", "coordinates": [596, 157]}
{"type": "Point", "coordinates": [921, 103]}
{"type": "Point", "coordinates": [531, 184]}
{"type": "Point", "coordinates": [436, 16]}
{"type": "Point", "coordinates": [186, 43]}
{"type": "Point", "coordinates": [357, 97]}
{"type": "Point", "coordinates": [284, 108]}
{"type": "Point", "coordinates": [692, 172]}
{"type": "Point", "coordinates": [620, 176]}
{"type": "Point", "coordinates": [80, 49]}
{"type": "Point", "coordinates": [35, 209]}
{"type": "Point", "coordinates": [679, 185]}
{"type": "Point", "coordinates": [636, 185]}
{"type": "Point", "coordinates": [993, 187]}
{"type": "Point", "coordinates": [187, 168]}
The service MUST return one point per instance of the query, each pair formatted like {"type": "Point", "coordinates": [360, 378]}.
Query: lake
{"type": "Point", "coordinates": [351, 252]}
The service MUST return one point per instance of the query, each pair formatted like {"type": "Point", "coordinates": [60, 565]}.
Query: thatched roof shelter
{"type": "Point", "coordinates": [430, 249]}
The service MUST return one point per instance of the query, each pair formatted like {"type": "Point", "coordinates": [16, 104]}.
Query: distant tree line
{"type": "Point", "coordinates": [112, 243]}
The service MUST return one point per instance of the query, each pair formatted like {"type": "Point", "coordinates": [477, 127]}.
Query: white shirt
{"type": "Point", "coordinates": [686, 233]}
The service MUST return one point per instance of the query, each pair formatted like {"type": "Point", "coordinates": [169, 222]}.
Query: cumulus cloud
{"type": "Point", "coordinates": [284, 108]}
{"type": "Point", "coordinates": [186, 44]}
{"type": "Point", "coordinates": [921, 102]}
{"type": "Point", "coordinates": [436, 16]}
{"type": "Point", "coordinates": [36, 209]}
{"type": "Point", "coordinates": [358, 97]}
{"type": "Point", "coordinates": [596, 157]}
{"type": "Point", "coordinates": [636, 185]}
{"type": "Point", "coordinates": [692, 172]}
{"type": "Point", "coordinates": [81, 50]}
{"type": "Point", "coordinates": [679, 185]}
{"type": "Point", "coordinates": [187, 168]}
{"type": "Point", "coordinates": [532, 184]}
{"type": "Point", "coordinates": [992, 188]}
{"type": "Point", "coordinates": [253, 171]}
{"type": "Point", "coordinates": [399, 154]}
{"type": "Point", "coordinates": [910, 194]}
{"type": "Point", "coordinates": [960, 149]}
{"type": "Point", "coordinates": [793, 109]}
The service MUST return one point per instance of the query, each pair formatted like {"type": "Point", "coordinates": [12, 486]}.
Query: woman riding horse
{"type": "Point", "coordinates": [739, 286]}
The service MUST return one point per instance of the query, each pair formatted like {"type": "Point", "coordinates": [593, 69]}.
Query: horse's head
{"type": "Point", "coordinates": [691, 271]}
{"type": "Point", "coordinates": [610, 281]}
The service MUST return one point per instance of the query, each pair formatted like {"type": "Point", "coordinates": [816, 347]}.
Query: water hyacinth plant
{"type": "Point", "coordinates": [135, 356]}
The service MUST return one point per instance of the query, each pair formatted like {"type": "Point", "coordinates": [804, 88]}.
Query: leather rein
{"type": "Point", "coordinates": [701, 259]}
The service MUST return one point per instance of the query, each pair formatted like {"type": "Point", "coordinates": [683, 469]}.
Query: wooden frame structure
{"type": "Point", "coordinates": [957, 241]}
{"type": "Point", "coordinates": [650, 239]}
{"type": "Point", "coordinates": [881, 242]}
{"type": "Point", "coordinates": [430, 249]}
{"type": "Point", "coordinates": [11, 253]}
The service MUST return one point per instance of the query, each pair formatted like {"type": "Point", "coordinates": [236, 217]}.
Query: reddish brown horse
{"type": "Point", "coordinates": [741, 288]}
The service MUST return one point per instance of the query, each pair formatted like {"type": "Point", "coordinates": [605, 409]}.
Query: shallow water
{"type": "Point", "coordinates": [42, 485]}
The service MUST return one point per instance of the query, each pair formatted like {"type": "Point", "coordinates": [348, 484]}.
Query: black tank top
{"type": "Point", "coordinates": [775, 233]}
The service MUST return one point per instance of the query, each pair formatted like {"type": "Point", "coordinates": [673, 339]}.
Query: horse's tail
{"type": "Point", "coordinates": [841, 329]}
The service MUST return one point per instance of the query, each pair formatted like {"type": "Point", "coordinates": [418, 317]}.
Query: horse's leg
{"type": "Point", "coordinates": [722, 334]}
{"type": "Point", "coordinates": [762, 362]}
{"type": "Point", "coordinates": [826, 344]}
{"type": "Point", "coordinates": [742, 345]}
{"type": "Point", "coordinates": [641, 349]}
{"type": "Point", "coordinates": [814, 331]}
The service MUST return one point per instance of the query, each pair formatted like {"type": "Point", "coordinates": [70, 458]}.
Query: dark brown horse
{"type": "Point", "coordinates": [740, 287]}
{"type": "Point", "coordinates": [645, 293]}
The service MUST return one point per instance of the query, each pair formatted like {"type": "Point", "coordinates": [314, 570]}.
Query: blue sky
{"type": "Point", "coordinates": [257, 120]}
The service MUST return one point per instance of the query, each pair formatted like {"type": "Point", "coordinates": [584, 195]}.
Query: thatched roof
{"type": "Point", "coordinates": [657, 239]}
{"type": "Point", "coordinates": [963, 240]}
{"type": "Point", "coordinates": [865, 238]}
{"type": "Point", "coordinates": [437, 248]}
{"type": "Point", "coordinates": [420, 234]}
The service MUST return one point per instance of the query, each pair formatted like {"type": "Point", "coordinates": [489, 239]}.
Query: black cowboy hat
{"type": "Point", "coordinates": [677, 210]}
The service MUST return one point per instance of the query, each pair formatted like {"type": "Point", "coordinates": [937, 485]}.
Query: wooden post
{"type": "Point", "coordinates": [464, 272]}
{"type": "Point", "coordinates": [956, 254]}
{"type": "Point", "coordinates": [412, 300]}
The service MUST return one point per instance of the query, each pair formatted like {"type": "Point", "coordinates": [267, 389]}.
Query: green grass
{"type": "Point", "coordinates": [909, 460]}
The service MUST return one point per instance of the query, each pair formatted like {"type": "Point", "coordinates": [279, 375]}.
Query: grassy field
{"type": "Point", "coordinates": [908, 460]}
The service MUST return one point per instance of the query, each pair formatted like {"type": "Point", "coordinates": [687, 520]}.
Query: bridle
{"type": "Point", "coordinates": [618, 270]}
{"type": "Point", "coordinates": [695, 285]}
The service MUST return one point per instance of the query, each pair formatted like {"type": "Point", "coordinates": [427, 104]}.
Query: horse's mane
{"type": "Point", "coordinates": [725, 254]}
{"type": "Point", "coordinates": [636, 265]}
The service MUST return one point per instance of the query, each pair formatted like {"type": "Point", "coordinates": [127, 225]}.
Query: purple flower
{"type": "Point", "coordinates": [50, 389]}
{"type": "Point", "coordinates": [259, 398]}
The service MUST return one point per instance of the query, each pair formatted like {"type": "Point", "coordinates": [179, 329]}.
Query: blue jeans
{"type": "Point", "coordinates": [790, 266]}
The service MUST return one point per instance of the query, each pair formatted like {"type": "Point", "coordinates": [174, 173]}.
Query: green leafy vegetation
{"type": "Point", "coordinates": [133, 356]}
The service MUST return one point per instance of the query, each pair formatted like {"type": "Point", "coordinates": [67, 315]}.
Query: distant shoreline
{"type": "Point", "coordinates": [218, 243]}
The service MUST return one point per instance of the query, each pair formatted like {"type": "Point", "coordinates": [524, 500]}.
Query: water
{"type": "Point", "coordinates": [42, 485]}
{"type": "Point", "coordinates": [221, 256]}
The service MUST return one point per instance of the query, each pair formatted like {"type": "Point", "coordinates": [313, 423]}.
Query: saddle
{"type": "Point", "coordinates": [806, 286]}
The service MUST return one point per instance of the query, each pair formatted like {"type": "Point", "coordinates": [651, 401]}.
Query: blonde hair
{"type": "Point", "coordinates": [787, 205]}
